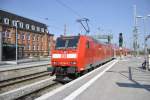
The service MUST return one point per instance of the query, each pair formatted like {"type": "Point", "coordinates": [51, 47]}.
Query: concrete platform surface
{"type": "Point", "coordinates": [118, 80]}
{"type": "Point", "coordinates": [23, 65]}
{"type": "Point", "coordinates": [25, 60]}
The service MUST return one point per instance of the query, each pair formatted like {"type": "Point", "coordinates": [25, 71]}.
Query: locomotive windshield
{"type": "Point", "coordinates": [67, 42]}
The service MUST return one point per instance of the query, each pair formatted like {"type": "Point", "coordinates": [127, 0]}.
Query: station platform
{"type": "Point", "coordinates": [117, 80]}
{"type": "Point", "coordinates": [7, 67]}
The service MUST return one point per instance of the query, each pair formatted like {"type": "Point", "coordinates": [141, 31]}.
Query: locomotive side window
{"type": "Point", "coordinates": [87, 44]}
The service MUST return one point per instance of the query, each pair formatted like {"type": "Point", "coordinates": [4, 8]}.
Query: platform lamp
{"type": "Point", "coordinates": [17, 41]}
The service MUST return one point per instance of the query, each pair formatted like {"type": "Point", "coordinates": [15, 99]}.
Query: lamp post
{"type": "Point", "coordinates": [135, 32]}
{"type": "Point", "coordinates": [16, 42]}
{"type": "Point", "coordinates": [144, 26]}
{"type": "Point", "coordinates": [144, 22]}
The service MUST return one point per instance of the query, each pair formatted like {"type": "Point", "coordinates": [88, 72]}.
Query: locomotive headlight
{"type": "Point", "coordinates": [71, 55]}
{"type": "Point", "coordinates": [56, 55]}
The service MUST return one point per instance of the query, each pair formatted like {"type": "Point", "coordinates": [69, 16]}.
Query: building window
{"type": "Point", "coordinates": [3, 34]}
{"type": "Point", "coordinates": [37, 28]}
{"type": "Point", "coordinates": [23, 36]}
{"type": "Point", "coordinates": [7, 34]}
{"type": "Point", "coordinates": [27, 26]}
{"type": "Point", "coordinates": [41, 39]}
{"type": "Point", "coordinates": [38, 47]}
{"type": "Point", "coordinates": [46, 30]}
{"type": "Point", "coordinates": [42, 30]}
{"type": "Point", "coordinates": [28, 36]}
{"type": "Point", "coordinates": [20, 24]}
{"type": "Point", "coordinates": [34, 47]}
{"type": "Point", "coordinates": [37, 38]}
{"type": "Point", "coordinates": [6, 21]}
{"type": "Point", "coordinates": [33, 27]}
{"type": "Point", "coordinates": [14, 23]}
{"type": "Point", "coordinates": [18, 36]}
{"type": "Point", "coordinates": [23, 47]}
{"type": "Point", "coordinates": [34, 37]}
{"type": "Point", "coordinates": [28, 47]}
{"type": "Point", "coordinates": [49, 44]}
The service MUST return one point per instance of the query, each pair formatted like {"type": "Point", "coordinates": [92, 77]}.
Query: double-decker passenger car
{"type": "Point", "coordinates": [74, 55]}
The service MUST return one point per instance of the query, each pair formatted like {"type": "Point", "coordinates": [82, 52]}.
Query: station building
{"type": "Point", "coordinates": [33, 37]}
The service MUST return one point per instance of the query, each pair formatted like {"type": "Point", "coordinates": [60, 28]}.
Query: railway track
{"type": "Point", "coordinates": [25, 83]}
{"type": "Point", "coordinates": [30, 91]}
{"type": "Point", "coordinates": [22, 78]}
{"type": "Point", "coordinates": [14, 83]}
{"type": "Point", "coordinates": [19, 72]}
{"type": "Point", "coordinates": [40, 92]}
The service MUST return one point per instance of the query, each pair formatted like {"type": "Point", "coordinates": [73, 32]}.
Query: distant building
{"type": "Point", "coordinates": [33, 37]}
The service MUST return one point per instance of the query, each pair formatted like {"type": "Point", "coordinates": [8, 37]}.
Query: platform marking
{"type": "Point", "coordinates": [77, 92]}
{"type": "Point", "coordinates": [48, 95]}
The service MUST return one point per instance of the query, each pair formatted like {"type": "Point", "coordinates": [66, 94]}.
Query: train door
{"type": "Point", "coordinates": [88, 53]}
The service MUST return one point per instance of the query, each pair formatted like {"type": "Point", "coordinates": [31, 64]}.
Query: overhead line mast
{"type": "Point", "coordinates": [135, 33]}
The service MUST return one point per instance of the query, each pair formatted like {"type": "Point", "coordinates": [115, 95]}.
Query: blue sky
{"type": "Point", "coordinates": [113, 16]}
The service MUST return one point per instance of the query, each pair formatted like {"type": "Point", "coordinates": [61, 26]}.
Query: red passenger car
{"type": "Point", "coordinates": [74, 55]}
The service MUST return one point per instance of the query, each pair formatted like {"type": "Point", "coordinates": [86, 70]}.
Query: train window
{"type": "Point", "coordinates": [87, 44]}
{"type": "Point", "coordinates": [60, 43]}
{"type": "Point", "coordinates": [73, 43]}
{"type": "Point", "coordinates": [67, 42]}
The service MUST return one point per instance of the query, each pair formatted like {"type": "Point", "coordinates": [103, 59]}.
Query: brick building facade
{"type": "Point", "coordinates": [33, 37]}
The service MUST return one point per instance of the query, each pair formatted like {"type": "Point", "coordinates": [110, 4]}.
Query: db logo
{"type": "Point", "coordinates": [63, 55]}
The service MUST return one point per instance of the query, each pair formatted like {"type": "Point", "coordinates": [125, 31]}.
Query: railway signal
{"type": "Point", "coordinates": [120, 40]}
{"type": "Point", "coordinates": [120, 44]}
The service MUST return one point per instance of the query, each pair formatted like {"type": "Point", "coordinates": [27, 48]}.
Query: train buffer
{"type": "Point", "coordinates": [116, 80]}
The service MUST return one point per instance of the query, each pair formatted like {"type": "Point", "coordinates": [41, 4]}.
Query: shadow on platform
{"type": "Point", "coordinates": [137, 76]}
{"type": "Point", "coordinates": [134, 85]}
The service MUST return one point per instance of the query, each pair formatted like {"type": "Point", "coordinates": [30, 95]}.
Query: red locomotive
{"type": "Point", "coordinates": [75, 55]}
